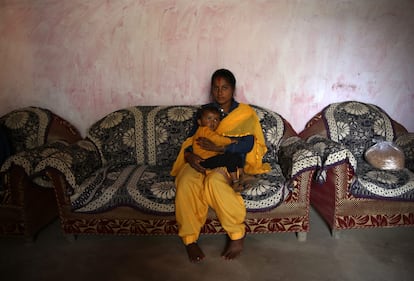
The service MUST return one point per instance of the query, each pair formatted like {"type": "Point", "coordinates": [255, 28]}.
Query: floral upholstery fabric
{"type": "Point", "coordinates": [357, 125]}
{"type": "Point", "coordinates": [149, 189]}
{"type": "Point", "coordinates": [331, 153]}
{"type": "Point", "coordinates": [119, 132]}
{"type": "Point", "coordinates": [352, 128]}
{"type": "Point", "coordinates": [296, 156]}
{"type": "Point", "coordinates": [406, 143]}
{"type": "Point", "coordinates": [26, 128]}
{"type": "Point", "coordinates": [76, 161]}
{"type": "Point", "coordinates": [385, 184]}
{"type": "Point", "coordinates": [133, 152]}
{"type": "Point", "coordinates": [26, 131]}
{"type": "Point", "coordinates": [29, 160]}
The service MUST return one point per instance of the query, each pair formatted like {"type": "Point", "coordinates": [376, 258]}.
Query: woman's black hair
{"type": "Point", "coordinates": [226, 74]}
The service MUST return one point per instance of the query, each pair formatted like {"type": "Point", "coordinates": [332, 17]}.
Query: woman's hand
{"type": "Point", "coordinates": [207, 144]}
{"type": "Point", "coordinates": [194, 161]}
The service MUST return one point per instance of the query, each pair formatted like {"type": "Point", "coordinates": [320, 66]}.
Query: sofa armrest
{"type": "Point", "coordinates": [296, 156]}
{"type": "Point", "coordinates": [62, 189]}
{"type": "Point", "coordinates": [331, 154]}
{"type": "Point", "coordinates": [13, 185]}
{"type": "Point", "coordinates": [406, 143]}
{"type": "Point", "coordinates": [29, 159]}
{"type": "Point", "coordinates": [76, 162]}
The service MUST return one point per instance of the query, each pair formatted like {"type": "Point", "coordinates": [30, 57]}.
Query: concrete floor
{"type": "Point", "coordinates": [365, 254]}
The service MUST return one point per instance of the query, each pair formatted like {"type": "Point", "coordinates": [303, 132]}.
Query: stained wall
{"type": "Point", "coordinates": [84, 59]}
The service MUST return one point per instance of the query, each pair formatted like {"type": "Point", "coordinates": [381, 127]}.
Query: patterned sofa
{"type": "Point", "coordinates": [349, 192]}
{"type": "Point", "coordinates": [25, 205]}
{"type": "Point", "coordinates": [117, 181]}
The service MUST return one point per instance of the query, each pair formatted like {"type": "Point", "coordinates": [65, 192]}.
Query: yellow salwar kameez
{"type": "Point", "coordinates": [196, 192]}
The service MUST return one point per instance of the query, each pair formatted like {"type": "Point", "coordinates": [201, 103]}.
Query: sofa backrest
{"type": "Point", "coordinates": [153, 134]}
{"type": "Point", "coordinates": [26, 128]}
{"type": "Point", "coordinates": [275, 129]}
{"type": "Point", "coordinates": [115, 136]}
{"type": "Point", "coordinates": [357, 125]}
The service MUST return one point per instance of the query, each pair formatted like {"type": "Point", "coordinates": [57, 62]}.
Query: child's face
{"type": "Point", "coordinates": [209, 119]}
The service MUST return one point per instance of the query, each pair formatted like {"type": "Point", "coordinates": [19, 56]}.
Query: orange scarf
{"type": "Point", "coordinates": [242, 121]}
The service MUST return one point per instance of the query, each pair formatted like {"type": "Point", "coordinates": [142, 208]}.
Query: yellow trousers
{"type": "Point", "coordinates": [195, 193]}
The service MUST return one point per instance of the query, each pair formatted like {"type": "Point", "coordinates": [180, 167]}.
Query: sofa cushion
{"type": "Point", "coordinates": [151, 189]}
{"type": "Point", "coordinates": [273, 130]}
{"type": "Point", "coordinates": [153, 134]}
{"type": "Point", "coordinates": [142, 134]}
{"type": "Point", "coordinates": [119, 136]}
{"type": "Point", "coordinates": [383, 184]}
{"type": "Point", "coordinates": [166, 129]}
{"type": "Point", "coordinates": [357, 125]}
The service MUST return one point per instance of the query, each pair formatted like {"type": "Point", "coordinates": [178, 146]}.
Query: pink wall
{"type": "Point", "coordinates": [84, 59]}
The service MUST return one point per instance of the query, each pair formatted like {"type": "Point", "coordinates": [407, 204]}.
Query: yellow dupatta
{"type": "Point", "coordinates": [242, 121]}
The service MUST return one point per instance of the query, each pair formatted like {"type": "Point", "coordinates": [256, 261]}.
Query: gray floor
{"type": "Point", "coordinates": [366, 254]}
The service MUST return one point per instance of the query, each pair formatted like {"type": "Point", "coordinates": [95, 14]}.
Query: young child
{"type": "Point", "coordinates": [208, 119]}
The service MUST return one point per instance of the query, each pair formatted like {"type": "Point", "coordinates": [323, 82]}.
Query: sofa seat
{"type": "Point", "coordinates": [151, 189]}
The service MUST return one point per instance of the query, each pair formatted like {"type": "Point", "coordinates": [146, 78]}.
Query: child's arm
{"type": "Point", "coordinates": [218, 140]}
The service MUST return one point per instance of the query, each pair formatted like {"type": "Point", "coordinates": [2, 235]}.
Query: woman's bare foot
{"type": "Point", "coordinates": [237, 186]}
{"type": "Point", "coordinates": [195, 254]}
{"type": "Point", "coordinates": [233, 249]}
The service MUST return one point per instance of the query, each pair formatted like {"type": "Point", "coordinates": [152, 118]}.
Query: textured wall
{"type": "Point", "coordinates": [84, 59]}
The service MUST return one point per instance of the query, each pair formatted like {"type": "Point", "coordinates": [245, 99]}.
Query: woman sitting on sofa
{"type": "Point", "coordinates": [198, 189]}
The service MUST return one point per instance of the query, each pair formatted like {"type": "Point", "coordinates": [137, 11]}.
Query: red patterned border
{"type": "Point", "coordinates": [345, 222]}
{"type": "Point", "coordinates": [165, 227]}
{"type": "Point", "coordinates": [12, 229]}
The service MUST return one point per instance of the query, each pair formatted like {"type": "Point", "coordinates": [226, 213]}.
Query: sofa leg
{"type": "Point", "coordinates": [29, 240]}
{"type": "Point", "coordinates": [301, 236]}
{"type": "Point", "coordinates": [70, 238]}
{"type": "Point", "coordinates": [335, 234]}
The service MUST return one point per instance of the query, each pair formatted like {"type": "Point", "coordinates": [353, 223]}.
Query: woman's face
{"type": "Point", "coordinates": [222, 91]}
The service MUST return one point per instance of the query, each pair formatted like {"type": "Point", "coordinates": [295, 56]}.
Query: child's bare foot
{"type": "Point", "coordinates": [195, 254]}
{"type": "Point", "coordinates": [237, 186]}
{"type": "Point", "coordinates": [233, 249]}
{"type": "Point", "coordinates": [247, 181]}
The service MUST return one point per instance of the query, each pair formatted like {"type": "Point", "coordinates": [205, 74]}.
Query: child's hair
{"type": "Point", "coordinates": [205, 109]}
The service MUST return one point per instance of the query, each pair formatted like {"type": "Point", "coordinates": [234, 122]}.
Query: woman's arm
{"type": "Point", "coordinates": [243, 145]}
{"type": "Point", "coordinates": [194, 161]}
